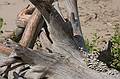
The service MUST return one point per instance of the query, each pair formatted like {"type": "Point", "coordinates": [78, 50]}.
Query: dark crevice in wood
{"type": "Point", "coordinates": [5, 73]}
{"type": "Point", "coordinates": [47, 32]}
{"type": "Point", "coordinates": [50, 51]}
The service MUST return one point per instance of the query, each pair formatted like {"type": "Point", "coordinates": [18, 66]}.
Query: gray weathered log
{"type": "Point", "coordinates": [55, 66]}
{"type": "Point", "coordinates": [62, 36]}
{"type": "Point", "coordinates": [62, 59]}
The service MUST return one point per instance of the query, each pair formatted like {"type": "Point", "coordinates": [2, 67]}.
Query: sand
{"type": "Point", "coordinates": [9, 10]}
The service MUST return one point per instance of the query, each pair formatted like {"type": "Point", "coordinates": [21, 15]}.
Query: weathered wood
{"type": "Point", "coordinates": [24, 16]}
{"type": "Point", "coordinates": [64, 44]}
{"type": "Point", "coordinates": [55, 66]}
{"type": "Point", "coordinates": [31, 57]}
{"type": "Point", "coordinates": [71, 6]}
{"type": "Point", "coordinates": [72, 10]}
{"type": "Point", "coordinates": [60, 31]}
{"type": "Point", "coordinates": [30, 29]}
{"type": "Point", "coordinates": [22, 20]}
{"type": "Point", "coordinates": [63, 60]}
{"type": "Point", "coordinates": [44, 7]}
{"type": "Point", "coordinates": [5, 50]}
{"type": "Point", "coordinates": [8, 61]}
{"type": "Point", "coordinates": [37, 32]}
{"type": "Point", "coordinates": [57, 7]}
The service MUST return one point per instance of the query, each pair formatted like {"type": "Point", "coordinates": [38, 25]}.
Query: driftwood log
{"type": "Point", "coordinates": [61, 58]}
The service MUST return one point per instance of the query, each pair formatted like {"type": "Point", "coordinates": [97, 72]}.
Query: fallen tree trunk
{"type": "Point", "coordinates": [61, 59]}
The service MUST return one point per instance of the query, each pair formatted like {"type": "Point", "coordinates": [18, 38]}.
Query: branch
{"type": "Point", "coordinates": [31, 28]}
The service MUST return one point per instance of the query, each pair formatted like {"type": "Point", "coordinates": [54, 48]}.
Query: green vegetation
{"type": "Point", "coordinates": [15, 38]}
{"type": "Point", "coordinates": [1, 23]}
{"type": "Point", "coordinates": [115, 50]}
{"type": "Point", "coordinates": [17, 34]}
{"type": "Point", "coordinates": [92, 46]}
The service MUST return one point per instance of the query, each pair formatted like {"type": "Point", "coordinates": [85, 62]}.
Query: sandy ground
{"type": "Point", "coordinates": [99, 16]}
{"type": "Point", "coordinates": [9, 10]}
{"type": "Point", "coordinates": [96, 16]}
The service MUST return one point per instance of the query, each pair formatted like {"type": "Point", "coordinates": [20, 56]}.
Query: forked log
{"type": "Point", "coordinates": [71, 67]}
{"type": "Point", "coordinates": [62, 60]}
